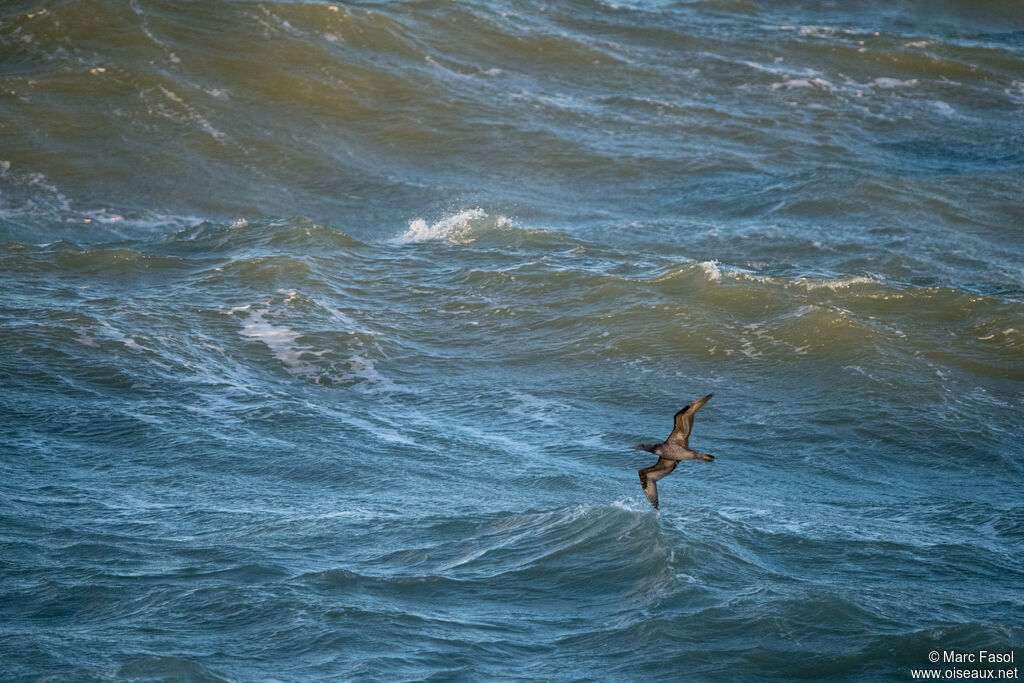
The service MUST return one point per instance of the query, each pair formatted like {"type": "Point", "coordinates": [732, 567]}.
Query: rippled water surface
{"type": "Point", "coordinates": [325, 328]}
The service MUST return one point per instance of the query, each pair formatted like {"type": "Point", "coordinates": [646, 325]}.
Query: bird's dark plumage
{"type": "Point", "coordinates": [671, 451]}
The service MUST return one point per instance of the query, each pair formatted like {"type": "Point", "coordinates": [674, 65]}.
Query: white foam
{"type": "Point", "coordinates": [946, 109]}
{"type": "Point", "coordinates": [631, 505]}
{"type": "Point", "coordinates": [817, 31]}
{"type": "Point", "coordinates": [134, 345]}
{"type": "Point", "coordinates": [840, 283]}
{"type": "Point", "coordinates": [1016, 92]}
{"type": "Point", "coordinates": [102, 216]}
{"type": "Point", "coordinates": [747, 345]}
{"type": "Point", "coordinates": [716, 273]}
{"type": "Point", "coordinates": [107, 331]}
{"type": "Point", "coordinates": [84, 338]}
{"type": "Point", "coordinates": [815, 83]}
{"type": "Point", "coordinates": [890, 83]}
{"type": "Point", "coordinates": [746, 275]}
{"type": "Point", "coordinates": [301, 360]}
{"type": "Point", "coordinates": [457, 229]}
{"type": "Point", "coordinates": [779, 68]}
{"type": "Point", "coordinates": [712, 270]}
{"type": "Point", "coordinates": [451, 228]}
{"type": "Point", "coordinates": [121, 337]}
{"type": "Point", "coordinates": [364, 369]}
{"type": "Point", "coordinates": [279, 339]}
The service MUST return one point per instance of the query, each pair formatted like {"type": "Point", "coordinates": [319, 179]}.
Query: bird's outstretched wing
{"type": "Point", "coordinates": [651, 491]}
{"type": "Point", "coordinates": [649, 477]}
{"type": "Point", "coordinates": [684, 422]}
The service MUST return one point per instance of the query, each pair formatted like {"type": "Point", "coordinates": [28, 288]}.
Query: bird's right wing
{"type": "Point", "coordinates": [683, 423]}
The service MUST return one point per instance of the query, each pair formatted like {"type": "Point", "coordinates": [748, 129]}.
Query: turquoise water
{"type": "Point", "coordinates": [326, 328]}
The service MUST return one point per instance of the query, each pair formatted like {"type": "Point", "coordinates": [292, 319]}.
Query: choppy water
{"type": "Point", "coordinates": [324, 328]}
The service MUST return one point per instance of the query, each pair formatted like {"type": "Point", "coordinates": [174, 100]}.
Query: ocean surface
{"type": "Point", "coordinates": [325, 328]}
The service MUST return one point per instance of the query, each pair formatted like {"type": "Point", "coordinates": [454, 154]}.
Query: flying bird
{"type": "Point", "coordinates": [675, 448]}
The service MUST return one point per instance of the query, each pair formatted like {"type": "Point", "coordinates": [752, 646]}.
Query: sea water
{"type": "Point", "coordinates": [325, 328]}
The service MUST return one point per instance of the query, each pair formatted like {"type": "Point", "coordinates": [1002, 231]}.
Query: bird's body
{"type": "Point", "coordinates": [671, 451]}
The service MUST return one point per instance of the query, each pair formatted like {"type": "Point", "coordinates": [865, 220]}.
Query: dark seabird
{"type": "Point", "coordinates": [675, 448]}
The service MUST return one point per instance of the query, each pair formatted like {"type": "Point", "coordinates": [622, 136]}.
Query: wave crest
{"type": "Point", "coordinates": [476, 225]}
{"type": "Point", "coordinates": [295, 233]}
{"type": "Point", "coordinates": [461, 228]}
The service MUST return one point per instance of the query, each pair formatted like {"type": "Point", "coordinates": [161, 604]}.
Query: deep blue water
{"type": "Point", "coordinates": [326, 327]}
